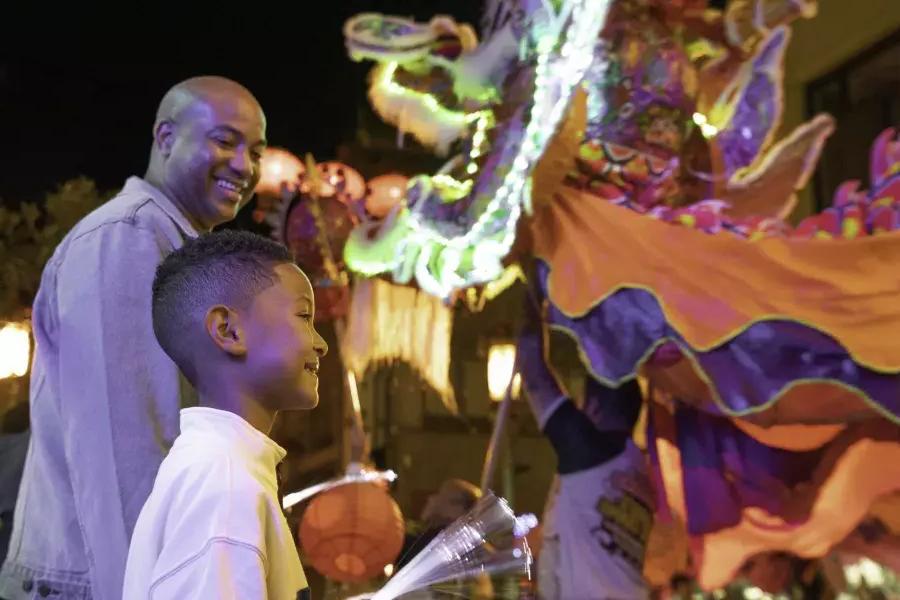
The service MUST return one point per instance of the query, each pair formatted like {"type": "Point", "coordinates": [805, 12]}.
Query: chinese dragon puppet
{"type": "Point", "coordinates": [629, 147]}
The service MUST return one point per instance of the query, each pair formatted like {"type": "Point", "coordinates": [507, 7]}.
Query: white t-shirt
{"type": "Point", "coordinates": [212, 526]}
{"type": "Point", "coordinates": [599, 521]}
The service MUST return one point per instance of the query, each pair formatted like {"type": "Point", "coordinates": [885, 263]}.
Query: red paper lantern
{"type": "Point", "coordinates": [352, 532]}
{"type": "Point", "coordinates": [385, 192]}
{"type": "Point", "coordinates": [277, 166]}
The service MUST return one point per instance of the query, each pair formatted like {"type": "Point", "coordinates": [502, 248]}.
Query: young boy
{"type": "Point", "coordinates": [599, 511]}
{"type": "Point", "coordinates": [236, 315]}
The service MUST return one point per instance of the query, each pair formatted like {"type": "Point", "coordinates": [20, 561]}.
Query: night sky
{"type": "Point", "coordinates": [84, 105]}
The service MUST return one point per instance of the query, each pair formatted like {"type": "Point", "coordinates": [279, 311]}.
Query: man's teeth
{"type": "Point", "coordinates": [229, 186]}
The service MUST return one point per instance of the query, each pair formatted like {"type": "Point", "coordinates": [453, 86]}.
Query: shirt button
{"type": "Point", "coordinates": [27, 585]}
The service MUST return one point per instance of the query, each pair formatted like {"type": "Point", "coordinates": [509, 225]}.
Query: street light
{"type": "Point", "coordinates": [501, 362]}
{"type": "Point", "coordinates": [15, 350]}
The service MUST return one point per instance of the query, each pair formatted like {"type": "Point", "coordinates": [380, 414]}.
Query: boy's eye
{"type": "Point", "coordinates": [305, 316]}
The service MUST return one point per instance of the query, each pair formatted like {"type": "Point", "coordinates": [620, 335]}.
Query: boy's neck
{"type": "Point", "coordinates": [243, 406]}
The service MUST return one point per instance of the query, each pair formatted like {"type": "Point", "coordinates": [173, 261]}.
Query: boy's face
{"type": "Point", "coordinates": [283, 347]}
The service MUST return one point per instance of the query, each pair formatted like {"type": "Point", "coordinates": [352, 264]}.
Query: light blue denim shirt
{"type": "Point", "coordinates": [105, 401]}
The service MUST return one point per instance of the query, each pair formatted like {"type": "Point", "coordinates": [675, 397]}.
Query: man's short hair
{"type": "Point", "coordinates": [225, 267]}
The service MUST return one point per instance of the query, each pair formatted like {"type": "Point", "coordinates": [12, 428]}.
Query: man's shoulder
{"type": "Point", "coordinates": [134, 207]}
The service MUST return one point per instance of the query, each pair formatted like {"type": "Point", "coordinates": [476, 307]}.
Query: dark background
{"type": "Point", "coordinates": [79, 98]}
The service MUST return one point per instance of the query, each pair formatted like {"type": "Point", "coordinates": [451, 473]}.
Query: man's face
{"type": "Point", "coordinates": [213, 163]}
{"type": "Point", "coordinates": [283, 347]}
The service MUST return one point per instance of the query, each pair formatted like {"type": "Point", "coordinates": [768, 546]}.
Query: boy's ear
{"type": "Point", "coordinates": [223, 326]}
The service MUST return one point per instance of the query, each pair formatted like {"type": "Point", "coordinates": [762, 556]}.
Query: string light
{"type": "Point", "coordinates": [706, 128]}
{"type": "Point", "coordinates": [384, 79]}
{"type": "Point", "coordinates": [490, 238]}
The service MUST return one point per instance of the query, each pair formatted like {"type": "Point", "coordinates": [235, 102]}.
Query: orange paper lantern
{"type": "Point", "coordinates": [352, 532]}
{"type": "Point", "coordinates": [385, 192]}
{"type": "Point", "coordinates": [276, 167]}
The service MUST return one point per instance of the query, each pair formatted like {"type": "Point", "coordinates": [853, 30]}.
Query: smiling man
{"type": "Point", "coordinates": [105, 398]}
{"type": "Point", "coordinates": [208, 140]}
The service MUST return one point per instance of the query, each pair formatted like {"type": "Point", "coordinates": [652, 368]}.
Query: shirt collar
{"type": "Point", "coordinates": [237, 433]}
{"type": "Point", "coordinates": [137, 185]}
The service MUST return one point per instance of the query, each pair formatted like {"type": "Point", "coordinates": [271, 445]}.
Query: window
{"type": "Point", "coordinates": [864, 97]}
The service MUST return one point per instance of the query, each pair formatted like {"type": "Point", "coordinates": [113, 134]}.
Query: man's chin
{"type": "Point", "coordinates": [224, 208]}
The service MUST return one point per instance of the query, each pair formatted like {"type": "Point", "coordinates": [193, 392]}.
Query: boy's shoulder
{"type": "Point", "coordinates": [202, 489]}
{"type": "Point", "coordinates": [211, 469]}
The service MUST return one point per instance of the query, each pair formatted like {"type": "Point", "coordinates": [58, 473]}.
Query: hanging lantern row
{"type": "Point", "coordinates": [373, 198]}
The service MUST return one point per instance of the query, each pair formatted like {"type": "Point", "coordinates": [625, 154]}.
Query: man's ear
{"type": "Point", "coordinates": [164, 136]}
{"type": "Point", "coordinates": [223, 326]}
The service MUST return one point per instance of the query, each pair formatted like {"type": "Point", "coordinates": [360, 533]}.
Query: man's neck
{"type": "Point", "coordinates": [158, 183]}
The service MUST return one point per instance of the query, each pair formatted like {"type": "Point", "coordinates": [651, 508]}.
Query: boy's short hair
{"type": "Point", "coordinates": [225, 267]}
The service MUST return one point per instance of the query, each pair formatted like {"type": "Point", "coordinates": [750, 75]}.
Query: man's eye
{"type": "Point", "coordinates": [224, 142]}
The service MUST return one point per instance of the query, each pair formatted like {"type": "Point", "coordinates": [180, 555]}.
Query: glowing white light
{"type": "Point", "coordinates": [524, 524]}
{"type": "Point", "coordinates": [708, 130]}
{"type": "Point", "coordinates": [501, 361]}
{"type": "Point", "coordinates": [15, 350]}
{"type": "Point", "coordinates": [864, 570]}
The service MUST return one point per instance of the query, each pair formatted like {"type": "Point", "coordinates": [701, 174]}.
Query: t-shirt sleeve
{"type": "Point", "coordinates": [224, 569]}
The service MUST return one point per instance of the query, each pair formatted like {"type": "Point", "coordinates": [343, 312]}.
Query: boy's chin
{"type": "Point", "coordinates": [302, 401]}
